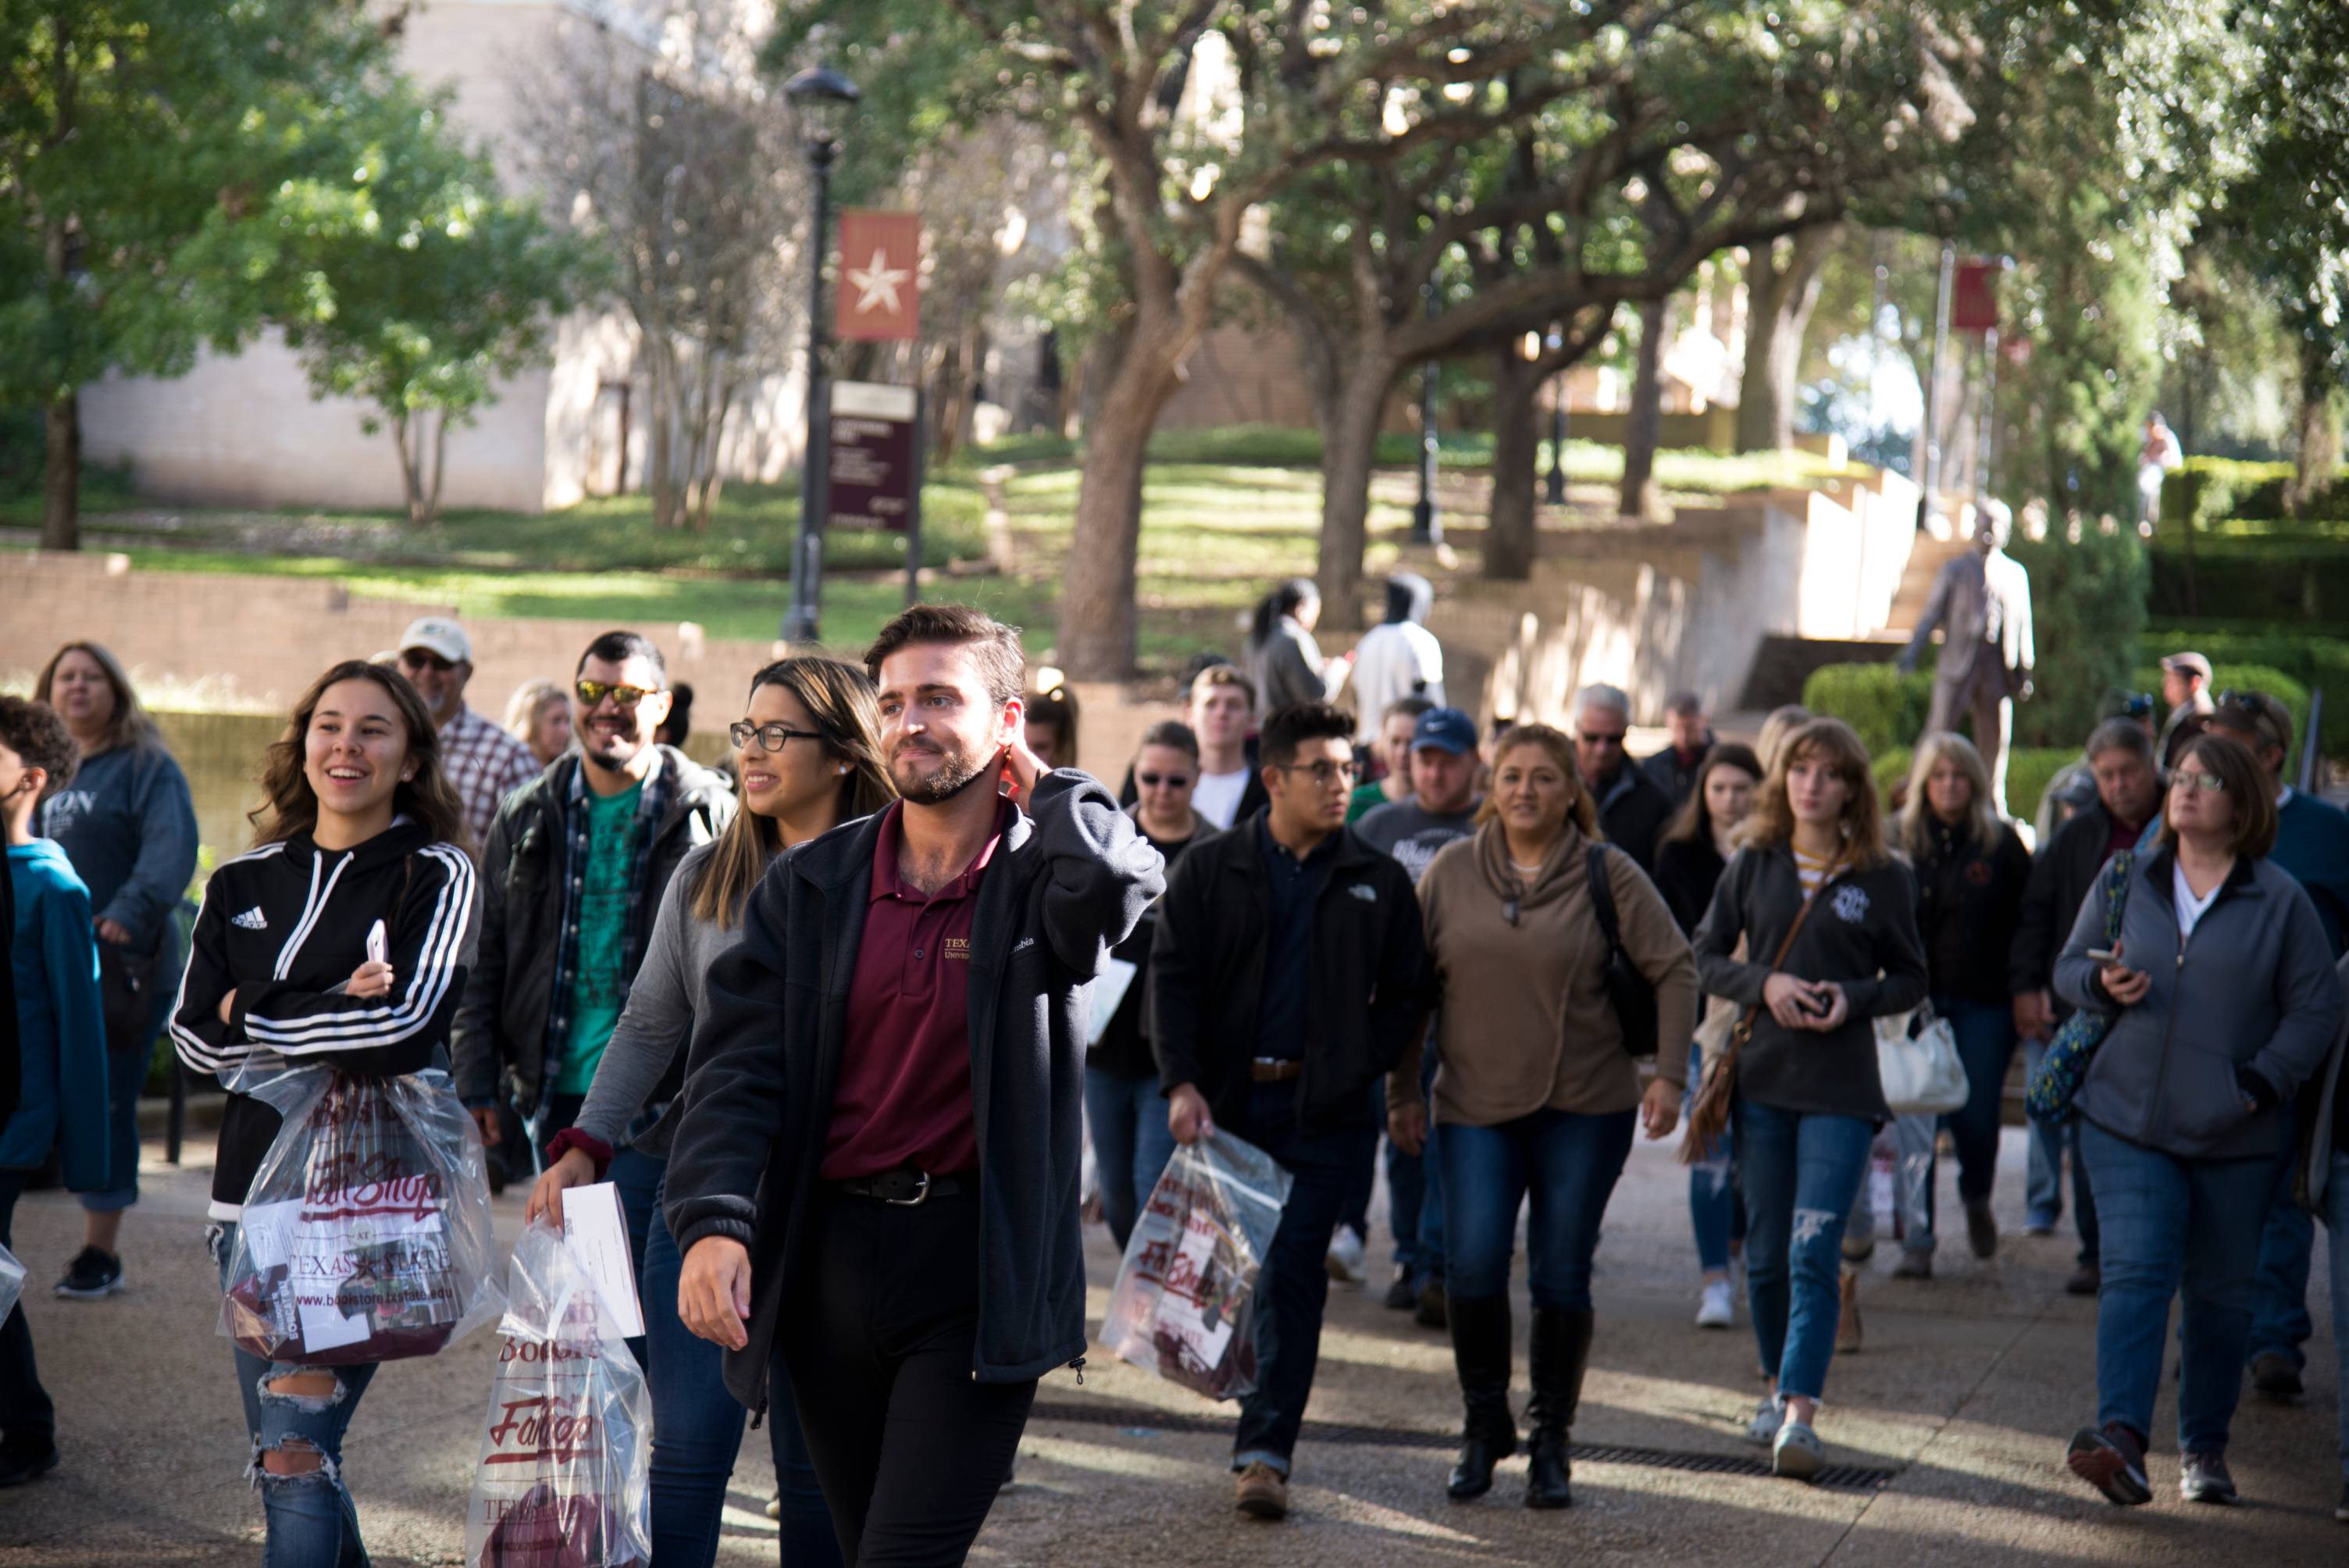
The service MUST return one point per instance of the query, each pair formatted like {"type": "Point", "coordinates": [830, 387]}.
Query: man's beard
{"type": "Point", "coordinates": [951, 780]}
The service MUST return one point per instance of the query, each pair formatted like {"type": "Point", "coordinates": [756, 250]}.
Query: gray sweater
{"type": "Point", "coordinates": [672, 987]}
{"type": "Point", "coordinates": [2245, 1008]}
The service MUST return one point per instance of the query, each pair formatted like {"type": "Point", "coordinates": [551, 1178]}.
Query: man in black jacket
{"type": "Point", "coordinates": [1632, 807]}
{"type": "Point", "coordinates": [571, 877]}
{"type": "Point", "coordinates": [1290, 972]}
{"type": "Point", "coordinates": [2128, 792]}
{"type": "Point", "coordinates": [1675, 768]}
{"type": "Point", "coordinates": [876, 1169]}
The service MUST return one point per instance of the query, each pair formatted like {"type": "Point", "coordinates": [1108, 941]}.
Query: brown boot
{"type": "Point", "coordinates": [1263, 1492]}
{"type": "Point", "coordinates": [1847, 1325]}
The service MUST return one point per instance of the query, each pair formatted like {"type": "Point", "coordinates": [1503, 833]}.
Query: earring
{"type": "Point", "coordinates": [844, 770]}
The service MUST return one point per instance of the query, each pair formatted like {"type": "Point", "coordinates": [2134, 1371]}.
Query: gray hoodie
{"type": "Point", "coordinates": [2245, 1009]}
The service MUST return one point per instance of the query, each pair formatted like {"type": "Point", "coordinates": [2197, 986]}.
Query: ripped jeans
{"type": "Point", "coordinates": [1800, 1174]}
{"type": "Point", "coordinates": [312, 1523]}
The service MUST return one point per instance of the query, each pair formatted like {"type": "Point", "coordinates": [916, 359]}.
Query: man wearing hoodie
{"type": "Point", "coordinates": [572, 876]}
{"type": "Point", "coordinates": [59, 1063]}
{"type": "Point", "coordinates": [1398, 658]}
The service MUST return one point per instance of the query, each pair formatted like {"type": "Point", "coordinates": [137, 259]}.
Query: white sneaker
{"type": "Point", "coordinates": [1764, 1428]}
{"type": "Point", "coordinates": [1715, 1308]}
{"type": "Point", "coordinates": [1346, 1257]}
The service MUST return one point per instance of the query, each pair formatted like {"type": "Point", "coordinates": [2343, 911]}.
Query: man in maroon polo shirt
{"type": "Point", "coordinates": [876, 1171]}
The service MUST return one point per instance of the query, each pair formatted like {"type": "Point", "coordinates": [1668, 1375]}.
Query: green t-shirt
{"type": "Point", "coordinates": [603, 927]}
{"type": "Point", "coordinates": [1365, 797]}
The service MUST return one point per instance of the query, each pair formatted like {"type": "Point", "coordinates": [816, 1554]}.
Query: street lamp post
{"type": "Point", "coordinates": [821, 100]}
{"type": "Point", "coordinates": [1425, 529]}
{"type": "Point", "coordinates": [1554, 489]}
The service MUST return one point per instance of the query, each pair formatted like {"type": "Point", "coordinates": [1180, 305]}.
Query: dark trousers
{"type": "Point", "coordinates": [1293, 1286]}
{"type": "Point", "coordinates": [880, 1330]}
{"type": "Point", "coordinates": [28, 1421]}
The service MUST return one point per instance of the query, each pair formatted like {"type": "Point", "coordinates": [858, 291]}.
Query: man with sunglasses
{"type": "Point", "coordinates": [1632, 807]}
{"type": "Point", "coordinates": [2311, 847]}
{"type": "Point", "coordinates": [480, 758]}
{"type": "Point", "coordinates": [572, 876]}
{"type": "Point", "coordinates": [1289, 972]}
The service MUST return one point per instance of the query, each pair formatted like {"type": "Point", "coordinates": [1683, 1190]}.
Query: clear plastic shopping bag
{"type": "Point", "coordinates": [1185, 1302]}
{"type": "Point", "coordinates": [566, 1445]}
{"type": "Point", "coordinates": [366, 1234]}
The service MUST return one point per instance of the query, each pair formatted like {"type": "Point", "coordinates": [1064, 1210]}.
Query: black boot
{"type": "Point", "coordinates": [1560, 1351]}
{"type": "Point", "coordinates": [1480, 1349]}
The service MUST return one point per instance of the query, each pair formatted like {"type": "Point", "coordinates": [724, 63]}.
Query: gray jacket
{"type": "Point", "coordinates": [1286, 669]}
{"type": "Point", "coordinates": [2245, 1008]}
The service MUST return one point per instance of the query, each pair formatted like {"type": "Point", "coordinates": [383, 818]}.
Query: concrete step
{"type": "Point", "coordinates": [1784, 664]}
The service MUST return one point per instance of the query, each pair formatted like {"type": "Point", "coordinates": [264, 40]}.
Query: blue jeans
{"type": "Point", "coordinates": [2336, 1221]}
{"type": "Point", "coordinates": [697, 1432]}
{"type": "Point", "coordinates": [126, 1075]}
{"type": "Point", "coordinates": [1985, 1034]}
{"type": "Point", "coordinates": [1568, 1164]}
{"type": "Point", "coordinates": [2280, 1321]}
{"type": "Point", "coordinates": [2174, 1227]}
{"type": "Point", "coordinates": [28, 1419]}
{"type": "Point", "coordinates": [1716, 1212]}
{"type": "Point", "coordinates": [2044, 1181]}
{"type": "Point", "coordinates": [312, 1523]}
{"type": "Point", "coordinates": [1293, 1286]}
{"type": "Point", "coordinates": [1800, 1175]}
{"type": "Point", "coordinates": [1415, 1192]}
{"type": "Point", "coordinates": [1127, 1118]}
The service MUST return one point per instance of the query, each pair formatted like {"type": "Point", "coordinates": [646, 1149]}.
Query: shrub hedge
{"type": "Point", "coordinates": [2295, 577]}
{"type": "Point", "coordinates": [2228, 676]}
{"type": "Point", "coordinates": [1888, 708]}
{"type": "Point", "coordinates": [2318, 663]}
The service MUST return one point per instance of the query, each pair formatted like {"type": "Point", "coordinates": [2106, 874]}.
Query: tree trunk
{"type": "Point", "coordinates": [660, 429]}
{"type": "Point", "coordinates": [1779, 301]}
{"type": "Point", "coordinates": [1350, 450]}
{"type": "Point", "coordinates": [440, 467]}
{"type": "Point", "coordinates": [2316, 433]}
{"type": "Point", "coordinates": [404, 437]}
{"type": "Point", "coordinates": [61, 475]}
{"type": "Point", "coordinates": [1098, 618]}
{"type": "Point", "coordinates": [1511, 534]}
{"type": "Point", "coordinates": [1641, 497]}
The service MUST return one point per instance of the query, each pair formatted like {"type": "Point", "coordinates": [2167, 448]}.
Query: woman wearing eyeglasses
{"type": "Point", "coordinates": [1533, 1088]}
{"type": "Point", "coordinates": [2224, 1001]}
{"type": "Point", "coordinates": [1125, 1112]}
{"type": "Point", "coordinates": [808, 753]}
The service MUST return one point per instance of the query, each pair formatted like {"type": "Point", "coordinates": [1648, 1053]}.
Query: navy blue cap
{"type": "Point", "coordinates": [1446, 729]}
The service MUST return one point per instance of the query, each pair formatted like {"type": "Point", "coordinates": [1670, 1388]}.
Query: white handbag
{"type": "Point", "coordinates": [1917, 1056]}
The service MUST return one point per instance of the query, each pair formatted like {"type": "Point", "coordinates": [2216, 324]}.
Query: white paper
{"type": "Point", "coordinates": [324, 1327]}
{"type": "Point", "coordinates": [595, 1229]}
{"type": "Point", "coordinates": [1109, 989]}
{"type": "Point", "coordinates": [268, 1230]}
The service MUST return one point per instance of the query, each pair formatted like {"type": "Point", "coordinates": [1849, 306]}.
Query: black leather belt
{"type": "Point", "coordinates": [903, 1189]}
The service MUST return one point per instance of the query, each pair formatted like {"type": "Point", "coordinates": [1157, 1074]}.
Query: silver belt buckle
{"type": "Point", "coordinates": [921, 1194]}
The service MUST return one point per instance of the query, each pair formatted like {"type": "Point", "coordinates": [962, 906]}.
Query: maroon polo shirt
{"type": "Point", "coordinates": [903, 1098]}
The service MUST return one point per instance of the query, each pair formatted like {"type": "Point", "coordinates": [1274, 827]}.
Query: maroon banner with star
{"type": "Point", "coordinates": [879, 294]}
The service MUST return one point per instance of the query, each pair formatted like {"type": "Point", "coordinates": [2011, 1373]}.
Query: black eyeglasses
{"type": "Point", "coordinates": [593, 693]}
{"type": "Point", "coordinates": [1171, 780]}
{"type": "Point", "coordinates": [1599, 737]}
{"type": "Point", "coordinates": [771, 736]}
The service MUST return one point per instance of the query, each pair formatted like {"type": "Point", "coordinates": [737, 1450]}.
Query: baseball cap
{"type": "Point", "coordinates": [2187, 664]}
{"type": "Point", "coordinates": [438, 634]}
{"type": "Point", "coordinates": [1446, 729]}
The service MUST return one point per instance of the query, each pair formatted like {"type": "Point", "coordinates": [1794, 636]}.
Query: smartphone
{"type": "Point", "coordinates": [2103, 956]}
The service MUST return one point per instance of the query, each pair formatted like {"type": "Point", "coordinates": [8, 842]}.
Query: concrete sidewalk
{"type": "Point", "coordinates": [1966, 1392]}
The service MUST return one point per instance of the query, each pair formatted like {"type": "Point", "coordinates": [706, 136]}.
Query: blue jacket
{"type": "Point", "coordinates": [2313, 844]}
{"type": "Point", "coordinates": [61, 1027]}
{"type": "Point", "coordinates": [129, 825]}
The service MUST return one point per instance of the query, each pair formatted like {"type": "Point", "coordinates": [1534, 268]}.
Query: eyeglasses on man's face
{"type": "Point", "coordinates": [1323, 773]}
{"type": "Point", "coordinates": [769, 736]}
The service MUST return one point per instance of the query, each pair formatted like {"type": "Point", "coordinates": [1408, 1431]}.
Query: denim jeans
{"type": "Point", "coordinates": [2044, 1189]}
{"type": "Point", "coordinates": [1800, 1175]}
{"type": "Point", "coordinates": [28, 1419]}
{"type": "Point", "coordinates": [2336, 1246]}
{"type": "Point", "coordinates": [2281, 1324]}
{"type": "Point", "coordinates": [1293, 1286]}
{"type": "Point", "coordinates": [126, 1075]}
{"type": "Point", "coordinates": [697, 1432]}
{"type": "Point", "coordinates": [1415, 1192]}
{"type": "Point", "coordinates": [1716, 1214]}
{"type": "Point", "coordinates": [1356, 1215]}
{"type": "Point", "coordinates": [1985, 1035]}
{"type": "Point", "coordinates": [312, 1523]}
{"type": "Point", "coordinates": [1127, 1118]}
{"type": "Point", "coordinates": [2174, 1227]}
{"type": "Point", "coordinates": [1568, 1165]}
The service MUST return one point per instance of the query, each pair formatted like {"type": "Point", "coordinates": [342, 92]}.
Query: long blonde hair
{"type": "Point", "coordinates": [523, 707]}
{"type": "Point", "coordinates": [1914, 828]}
{"type": "Point", "coordinates": [1831, 739]}
{"type": "Point", "coordinates": [1782, 723]}
{"type": "Point", "coordinates": [839, 698]}
{"type": "Point", "coordinates": [1583, 812]}
{"type": "Point", "coordinates": [129, 723]}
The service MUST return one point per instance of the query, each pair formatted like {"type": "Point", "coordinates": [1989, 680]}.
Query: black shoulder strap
{"type": "Point", "coordinates": [1602, 898]}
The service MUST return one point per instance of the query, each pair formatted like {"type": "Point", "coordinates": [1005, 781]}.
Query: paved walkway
{"type": "Point", "coordinates": [1965, 1392]}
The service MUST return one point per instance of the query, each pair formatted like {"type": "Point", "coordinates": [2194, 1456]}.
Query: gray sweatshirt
{"type": "Point", "coordinates": [671, 988]}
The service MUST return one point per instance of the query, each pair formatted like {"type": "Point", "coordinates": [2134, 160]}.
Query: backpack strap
{"type": "Point", "coordinates": [2116, 886]}
{"type": "Point", "coordinates": [1602, 898]}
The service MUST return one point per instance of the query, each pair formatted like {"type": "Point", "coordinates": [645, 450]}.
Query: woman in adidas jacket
{"type": "Point", "coordinates": [360, 826]}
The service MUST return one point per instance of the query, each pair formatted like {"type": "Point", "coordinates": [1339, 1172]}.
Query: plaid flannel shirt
{"type": "Point", "coordinates": [486, 765]}
{"type": "Point", "coordinates": [651, 807]}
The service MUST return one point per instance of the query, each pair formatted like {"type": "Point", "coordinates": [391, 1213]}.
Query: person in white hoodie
{"type": "Point", "coordinates": [1398, 658]}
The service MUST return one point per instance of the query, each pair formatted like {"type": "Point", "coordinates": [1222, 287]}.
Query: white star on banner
{"type": "Point", "coordinates": [877, 280]}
